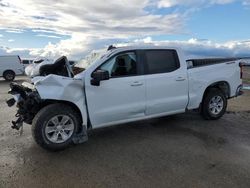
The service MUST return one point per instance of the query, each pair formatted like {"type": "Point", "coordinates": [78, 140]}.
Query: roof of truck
{"type": "Point", "coordinates": [142, 47]}
{"type": "Point", "coordinates": [150, 46]}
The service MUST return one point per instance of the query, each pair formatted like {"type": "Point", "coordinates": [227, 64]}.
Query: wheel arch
{"type": "Point", "coordinates": [47, 102]}
{"type": "Point", "coordinates": [221, 85]}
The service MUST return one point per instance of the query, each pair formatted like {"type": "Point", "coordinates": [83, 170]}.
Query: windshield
{"type": "Point", "coordinates": [89, 60]}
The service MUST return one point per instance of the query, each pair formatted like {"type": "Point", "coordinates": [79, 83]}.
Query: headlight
{"type": "Point", "coordinates": [28, 85]}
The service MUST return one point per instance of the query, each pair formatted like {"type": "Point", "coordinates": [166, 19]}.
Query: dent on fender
{"type": "Point", "coordinates": [60, 88]}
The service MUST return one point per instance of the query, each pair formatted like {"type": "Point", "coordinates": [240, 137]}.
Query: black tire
{"type": "Point", "coordinates": [208, 112]}
{"type": "Point", "coordinates": [42, 119]}
{"type": "Point", "coordinates": [9, 75]}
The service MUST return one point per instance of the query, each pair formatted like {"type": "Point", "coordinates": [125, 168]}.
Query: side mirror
{"type": "Point", "coordinates": [98, 76]}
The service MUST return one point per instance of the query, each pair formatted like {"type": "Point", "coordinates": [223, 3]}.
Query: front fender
{"type": "Point", "coordinates": [54, 87]}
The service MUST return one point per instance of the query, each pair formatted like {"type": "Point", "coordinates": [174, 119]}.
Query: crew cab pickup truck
{"type": "Point", "coordinates": [123, 85]}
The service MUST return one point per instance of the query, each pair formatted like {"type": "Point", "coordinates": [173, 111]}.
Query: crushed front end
{"type": "Point", "coordinates": [27, 101]}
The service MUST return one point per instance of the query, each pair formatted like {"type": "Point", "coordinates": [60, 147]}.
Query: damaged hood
{"type": "Point", "coordinates": [56, 79]}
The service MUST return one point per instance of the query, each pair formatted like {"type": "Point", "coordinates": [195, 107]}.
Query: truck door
{"type": "Point", "coordinates": [166, 83]}
{"type": "Point", "coordinates": [122, 97]}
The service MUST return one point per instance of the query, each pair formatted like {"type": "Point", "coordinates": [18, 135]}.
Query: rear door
{"type": "Point", "coordinates": [166, 83]}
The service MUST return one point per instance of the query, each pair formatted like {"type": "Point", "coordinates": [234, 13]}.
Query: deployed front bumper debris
{"type": "Point", "coordinates": [27, 101]}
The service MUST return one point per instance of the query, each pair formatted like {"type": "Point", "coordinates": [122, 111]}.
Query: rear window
{"type": "Point", "coordinates": [161, 61]}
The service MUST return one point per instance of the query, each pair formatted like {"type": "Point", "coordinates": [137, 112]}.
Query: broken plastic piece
{"type": "Point", "coordinates": [17, 124]}
{"type": "Point", "coordinates": [21, 130]}
{"type": "Point", "coordinates": [11, 102]}
{"type": "Point", "coordinates": [81, 137]}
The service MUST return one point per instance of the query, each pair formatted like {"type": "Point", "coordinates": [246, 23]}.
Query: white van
{"type": "Point", "coordinates": [10, 66]}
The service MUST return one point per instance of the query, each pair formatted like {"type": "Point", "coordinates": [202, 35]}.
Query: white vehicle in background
{"type": "Point", "coordinates": [245, 61]}
{"type": "Point", "coordinates": [26, 62]}
{"type": "Point", "coordinates": [10, 66]}
{"type": "Point", "coordinates": [123, 85]}
{"type": "Point", "coordinates": [32, 70]}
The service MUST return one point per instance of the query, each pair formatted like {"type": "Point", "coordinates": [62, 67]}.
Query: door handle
{"type": "Point", "coordinates": [136, 84]}
{"type": "Point", "coordinates": [180, 79]}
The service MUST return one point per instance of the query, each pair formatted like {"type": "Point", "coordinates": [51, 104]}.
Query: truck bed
{"type": "Point", "coordinates": [202, 76]}
{"type": "Point", "coordinates": [193, 63]}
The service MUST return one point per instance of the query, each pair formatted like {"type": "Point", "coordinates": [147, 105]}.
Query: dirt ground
{"type": "Point", "coordinates": [177, 151]}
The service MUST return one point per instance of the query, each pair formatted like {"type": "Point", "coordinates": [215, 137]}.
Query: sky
{"type": "Point", "coordinates": [202, 28]}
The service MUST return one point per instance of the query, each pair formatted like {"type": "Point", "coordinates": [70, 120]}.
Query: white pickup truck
{"type": "Point", "coordinates": [123, 85]}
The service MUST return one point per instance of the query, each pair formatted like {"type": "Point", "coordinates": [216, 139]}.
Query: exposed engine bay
{"type": "Point", "coordinates": [60, 67]}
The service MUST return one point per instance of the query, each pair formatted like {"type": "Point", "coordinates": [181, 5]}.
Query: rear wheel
{"type": "Point", "coordinates": [55, 126]}
{"type": "Point", "coordinates": [9, 75]}
{"type": "Point", "coordinates": [214, 104]}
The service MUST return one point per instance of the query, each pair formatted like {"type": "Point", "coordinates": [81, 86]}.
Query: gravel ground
{"type": "Point", "coordinates": [177, 151]}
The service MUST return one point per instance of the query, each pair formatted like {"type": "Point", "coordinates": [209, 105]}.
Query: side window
{"type": "Point", "coordinates": [121, 65]}
{"type": "Point", "coordinates": [161, 61]}
{"type": "Point", "coordinates": [26, 62]}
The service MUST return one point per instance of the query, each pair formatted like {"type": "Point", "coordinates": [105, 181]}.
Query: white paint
{"type": "Point", "coordinates": [200, 78]}
{"type": "Point", "coordinates": [117, 101]}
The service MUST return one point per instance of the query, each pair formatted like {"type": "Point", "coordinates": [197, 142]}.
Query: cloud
{"type": "Point", "coordinates": [196, 3]}
{"type": "Point", "coordinates": [11, 40]}
{"type": "Point", "coordinates": [76, 46]}
{"type": "Point", "coordinates": [80, 45]}
{"type": "Point", "coordinates": [22, 52]}
{"type": "Point", "coordinates": [207, 48]}
{"type": "Point", "coordinates": [48, 36]}
{"type": "Point", "coordinates": [14, 30]}
{"type": "Point", "coordinates": [91, 24]}
{"type": "Point", "coordinates": [48, 31]}
{"type": "Point", "coordinates": [120, 18]}
{"type": "Point", "coordinates": [246, 3]}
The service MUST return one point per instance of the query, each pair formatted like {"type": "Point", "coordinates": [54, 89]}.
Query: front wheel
{"type": "Point", "coordinates": [214, 105]}
{"type": "Point", "coordinates": [55, 126]}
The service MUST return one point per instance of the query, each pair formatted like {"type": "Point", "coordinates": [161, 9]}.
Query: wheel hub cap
{"type": "Point", "coordinates": [59, 129]}
{"type": "Point", "coordinates": [216, 105]}
{"type": "Point", "coordinates": [9, 76]}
